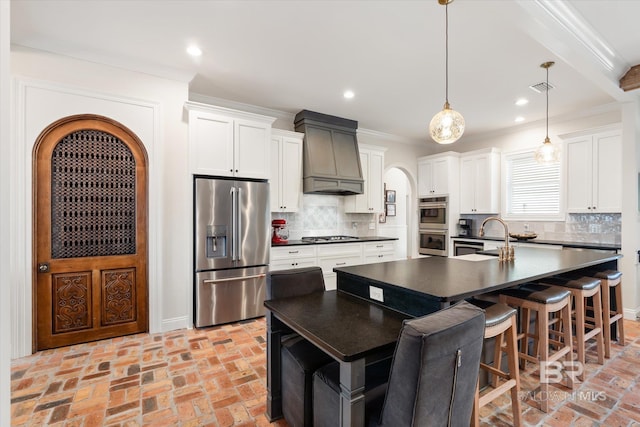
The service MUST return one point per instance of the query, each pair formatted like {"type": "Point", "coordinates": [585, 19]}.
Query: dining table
{"type": "Point", "coordinates": [360, 322]}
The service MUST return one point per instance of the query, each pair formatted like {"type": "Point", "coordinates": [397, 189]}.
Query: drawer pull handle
{"type": "Point", "coordinates": [234, 279]}
{"type": "Point", "coordinates": [379, 246]}
{"type": "Point", "coordinates": [293, 252]}
{"type": "Point", "coordinates": [341, 263]}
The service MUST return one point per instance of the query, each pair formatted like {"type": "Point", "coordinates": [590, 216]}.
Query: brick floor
{"type": "Point", "coordinates": [217, 377]}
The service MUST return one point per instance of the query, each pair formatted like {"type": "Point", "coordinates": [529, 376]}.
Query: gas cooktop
{"type": "Point", "coordinates": [316, 239]}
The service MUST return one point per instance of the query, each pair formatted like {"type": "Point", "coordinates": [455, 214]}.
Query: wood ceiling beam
{"type": "Point", "coordinates": [631, 80]}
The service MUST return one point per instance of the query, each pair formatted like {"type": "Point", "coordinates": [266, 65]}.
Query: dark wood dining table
{"type": "Point", "coordinates": [361, 321]}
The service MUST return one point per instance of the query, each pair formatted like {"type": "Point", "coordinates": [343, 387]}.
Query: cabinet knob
{"type": "Point", "coordinates": [230, 170]}
{"type": "Point", "coordinates": [236, 170]}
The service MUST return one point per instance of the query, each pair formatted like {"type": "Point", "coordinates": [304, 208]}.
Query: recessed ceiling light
{"type": "Point", "coordinates": [348, 94]}
{"type": "Point", "coordinates": [522, 101]}
{"type": "Point", "coordinates": [194, 50]}
{"type": "Point", "coordinates": [519, 119]}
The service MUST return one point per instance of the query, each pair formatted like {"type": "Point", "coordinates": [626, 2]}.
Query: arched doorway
{"type": "Point", "coordinates": [90, 232]}
{"type": "Point", "coordinates": [400, 225]}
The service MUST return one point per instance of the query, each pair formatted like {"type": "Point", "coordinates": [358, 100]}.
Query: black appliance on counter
{"type": "Point", "coordinates": [465, 227]}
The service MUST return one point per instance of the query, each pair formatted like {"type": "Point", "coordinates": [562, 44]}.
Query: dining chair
{"type": "Point", "coordinates": [433, 374]}
{"type": "Point", "coordinates": [299, 358]}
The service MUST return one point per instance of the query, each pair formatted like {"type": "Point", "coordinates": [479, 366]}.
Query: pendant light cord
{"type": "Point", "coordinates": [547, 102]}
{"type": "Point", "coordinates": [446, 53]}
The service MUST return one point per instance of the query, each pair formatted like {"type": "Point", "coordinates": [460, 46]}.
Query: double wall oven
{"type": "Point", "coordinates": [434, 226]}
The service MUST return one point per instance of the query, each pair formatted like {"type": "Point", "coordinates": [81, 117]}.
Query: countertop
{"type": "Point", "coordinates": [357, 240]}
{"type": "Point", "coordinates": [566, 244]}
{"type": "Point", "coordinates": [448, 279]}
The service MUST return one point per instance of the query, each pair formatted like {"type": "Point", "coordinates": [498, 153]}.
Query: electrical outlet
{"type": "Point", "coordinates": [376, 293]}
{"type": "Point", "coordinates": [372, 226]}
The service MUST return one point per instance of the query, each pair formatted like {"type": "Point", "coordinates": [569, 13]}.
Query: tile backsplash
{"type": "Point", "coordinates": [323, 215]}
{"type": "Point", "coordinates": [590, 228]}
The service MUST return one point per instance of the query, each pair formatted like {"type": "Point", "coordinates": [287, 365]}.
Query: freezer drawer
{"type": "Point", "coordinates": [229, 295]}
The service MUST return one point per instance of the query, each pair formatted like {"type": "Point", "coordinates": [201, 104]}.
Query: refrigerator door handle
{"type": "Point", "coordinates": [233, 279]}
{"type": "Point", "coordinates": [234, 222]}
{"type": "Point", "coordinates": [238, 238]}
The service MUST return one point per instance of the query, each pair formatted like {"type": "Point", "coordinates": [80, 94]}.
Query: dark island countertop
{"type": "Point", "coordinates": [563, 243]}
{"type": "Point", "coordinates": [415, 285]}
{"type": "Point", "coordinates": [325, 242]}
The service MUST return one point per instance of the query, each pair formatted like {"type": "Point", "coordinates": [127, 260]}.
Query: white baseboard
{"type": "Point", "coordinates": [631, 314]}
{"type": "Point", "coordinates": [181, 322]}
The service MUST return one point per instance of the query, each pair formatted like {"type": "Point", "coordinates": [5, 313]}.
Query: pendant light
{"type": "Point", "coordinates": [547, 153]}
{"type": "Point", "coordinates": [447, 126]}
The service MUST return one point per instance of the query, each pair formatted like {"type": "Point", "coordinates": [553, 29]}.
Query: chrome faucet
{"type": "Point", "coordinates": [509, 252]}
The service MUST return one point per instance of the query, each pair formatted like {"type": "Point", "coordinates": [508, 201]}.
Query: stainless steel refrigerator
{"type": "Point", "coordinates": [231, 253]}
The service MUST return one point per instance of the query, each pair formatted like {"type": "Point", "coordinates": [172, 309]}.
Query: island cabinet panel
{"type": "Point", "coordinates": [399, 299]}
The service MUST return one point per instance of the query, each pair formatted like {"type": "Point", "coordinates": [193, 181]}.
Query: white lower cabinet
{"type": "Point", "coordinates": [288, 257]}
{"type": "Point", "coordinates": [331, 255]}
{"type": "Point", "coordinates": [374, 252]}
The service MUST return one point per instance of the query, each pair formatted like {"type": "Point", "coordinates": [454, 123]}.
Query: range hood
{"type": "Point", "coordinates": [331, 160]}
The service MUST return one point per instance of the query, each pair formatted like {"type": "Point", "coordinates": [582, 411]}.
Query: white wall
{"type": "Point", "coordinates": [396, 226]}
{"type": "Point", "coordinates": [49, 87]}
{"type": "Point", "coordinates": [5, 225]}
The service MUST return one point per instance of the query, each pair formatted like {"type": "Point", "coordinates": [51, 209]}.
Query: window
{"type": "Point", "coordinates": [532, 190]}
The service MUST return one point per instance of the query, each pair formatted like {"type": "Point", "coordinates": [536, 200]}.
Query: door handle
{"type": "Point", "coordinates": [43, 267]}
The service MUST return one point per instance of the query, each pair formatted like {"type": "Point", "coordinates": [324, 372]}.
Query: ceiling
{"type": "Point", "coordinates": [291, 55]}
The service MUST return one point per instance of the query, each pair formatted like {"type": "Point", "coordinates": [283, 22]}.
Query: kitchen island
{"type": "Point", "coordinates": [424, 285]}
{"type": "Point", "coordinates": [349, 324]}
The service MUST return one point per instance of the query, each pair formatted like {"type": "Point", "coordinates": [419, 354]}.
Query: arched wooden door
{"type": "Point", "coordinates": [90, 232]}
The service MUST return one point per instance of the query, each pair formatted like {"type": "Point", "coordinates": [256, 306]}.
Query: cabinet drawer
{"type": "Point", "coordinates": [292, 263]}
{"type": "Point", "coordinates": [379, 247]}
{"type": "Point", "coordinates": [286, 253]}
{"type": "Point", "coordinates": [372, 259]}
{"type": "Point", "coordinates": [340, 249]}
{"type": "Point", "coordinates": [329, 263]}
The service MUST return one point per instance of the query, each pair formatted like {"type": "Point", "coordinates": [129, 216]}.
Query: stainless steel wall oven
{"type": "Point", "coordinates": [434, 242]}
{"type": "Point", "coordinates": [433, 212]}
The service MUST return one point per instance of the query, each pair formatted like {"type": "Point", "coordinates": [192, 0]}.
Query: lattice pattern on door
{"type": "Point", "coordinates": [93, 196]}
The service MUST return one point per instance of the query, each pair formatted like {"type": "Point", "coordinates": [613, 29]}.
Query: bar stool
{"type": "Point", "coordinates": [610, 280]}
{"type": "Point", "coordinates": [582, 288]}
{"type": "Point", "coordinates": [500, 321]}
{"type": "Point", "coordinates": [544, 300]}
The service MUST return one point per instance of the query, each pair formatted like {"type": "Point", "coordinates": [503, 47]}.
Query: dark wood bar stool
{"type": "Point", "coordinates": [545, 301]}
{"type": "Point", "coordinates": [611, 281]}
{"type": "Point", "coordinates": [500, 322]}
{"type": "Point", "coordinates": [582, 288]}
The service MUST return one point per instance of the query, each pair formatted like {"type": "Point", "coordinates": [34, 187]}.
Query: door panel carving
{"type": "Point", "coordinates": [71, 302]}
{"type": "Point", "coordinates": [118, 296]}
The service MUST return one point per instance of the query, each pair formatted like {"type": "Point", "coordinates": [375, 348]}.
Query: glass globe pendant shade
{"type": "Point", "coordinates": [547, 153]}
{"type": "Point", "coordinates": [447, 126]}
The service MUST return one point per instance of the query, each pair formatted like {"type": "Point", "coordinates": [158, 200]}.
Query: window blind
{"type": "Point", "coordinates": [532, 189]}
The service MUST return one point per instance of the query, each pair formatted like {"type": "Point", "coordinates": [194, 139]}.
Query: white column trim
{"type": "Point", "coordinates": [21, 206]}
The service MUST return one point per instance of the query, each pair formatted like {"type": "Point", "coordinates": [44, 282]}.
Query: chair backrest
{"type": "Point", "coordinates": [435, 369]}
{"type": "Point", "coordinates": [294, 282]}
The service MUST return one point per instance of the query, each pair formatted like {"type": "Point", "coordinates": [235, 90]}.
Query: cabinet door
{"type": "Point", "coordinates": [211, 144]}
{"type": "Point", "coordinates": [425, 174]}
{"type": "Point", "coordinates": [486, 185]}
{"type": "Point", "coordinates": [579, 174]}
{"type": "Point", "coordinates": [467, 186]}
{"type": "Point", "coordinates": [440, 176]}
{"type": "Point", "coordinates": [359, 203]}
{"type": "Point", "coordinates": [251, 149]}
{"type": "Point", "coordinates": [275, 179]}
{"type": "Point", "coordinates": [607, 157]}
{"type": "Point", "coordinates": [291, 174]}
{"type": "Point", "coordinates": [374, 188]}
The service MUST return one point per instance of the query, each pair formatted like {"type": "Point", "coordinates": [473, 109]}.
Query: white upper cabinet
{"type": "Point", "coordinates": [480, 182]}
{"type": "Point", "coordinates": [435, 173]}
{"type": "Point", "coordinates": [594, 175]}
{"type": "Point", "coordinates": [371, 201]}
{"type": "Point", "coordinates": [225, 142]}
{"type": "Point", "coordinates": [286, 170]}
